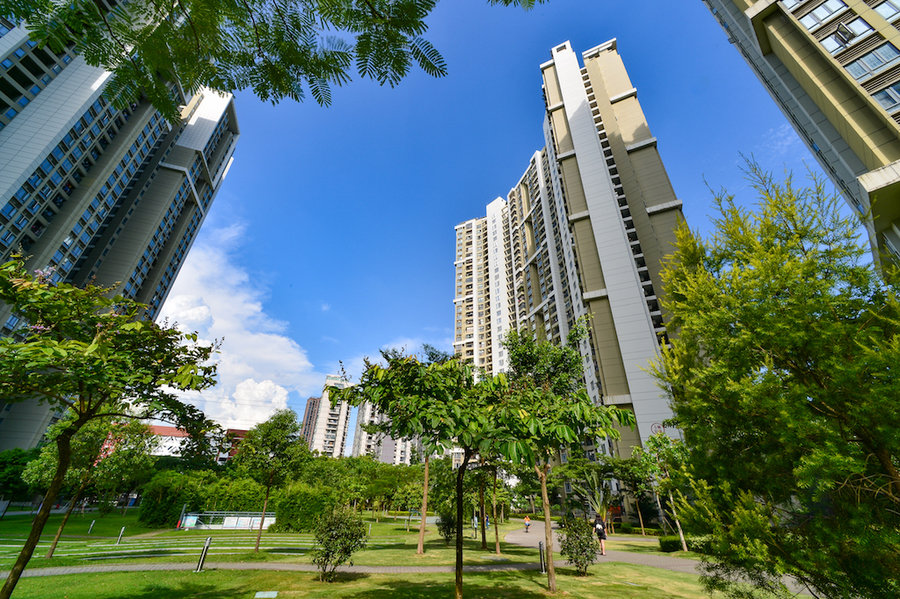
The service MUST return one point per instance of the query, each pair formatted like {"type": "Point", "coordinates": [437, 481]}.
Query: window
{"type": "Point", "coordinates": [870, 63]}
{"type": "Point", "coordinates": [889, 98]}
{"type": "Point", "coordinates": [845, 35]}
{"type": "Point", "coordinates": [6, 63]}
{"type": "Point", "coordinates": [822, 13]}
{"type": "Point", "coordinates": [888, 9]}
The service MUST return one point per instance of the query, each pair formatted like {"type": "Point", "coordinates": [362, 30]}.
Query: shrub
{"type": "Point", "coordinates": [625, 527]}
{"type": "Point", "coordinates": [578, 545]}
{"type": "Point", "coordinates": [700, 543]}
{"type": "Point", "coordinates": [299, 507]}
{"type": "Point", "coordinates": [339, 533]}
{"type": "Point", "coordinates": [446, 525]}
{"type": "Point", "coordinates": [670, 543]}
{"type": "Point", "coordinates": [167, 493]}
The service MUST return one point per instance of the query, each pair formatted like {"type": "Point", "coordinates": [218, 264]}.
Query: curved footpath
{"type": "Point", "coordinates": [516, 537]}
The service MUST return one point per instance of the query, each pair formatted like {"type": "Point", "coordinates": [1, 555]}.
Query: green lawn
{"type": "Point", "coordinates": [610, 581]}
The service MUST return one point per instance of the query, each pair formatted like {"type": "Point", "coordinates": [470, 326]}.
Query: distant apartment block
{"type": "Point", "coordinates": [833, 68]}
{"type": "Point", "coordinates": [310, 414]}
{"type": "Point", "coordinates": [98, 194]}
{"type": "Point", "coordinates": [588, 223]}
{"type": "Point", "coordinates": [329, 434]}
{"type": "Point", "coordinates": [381, 447]}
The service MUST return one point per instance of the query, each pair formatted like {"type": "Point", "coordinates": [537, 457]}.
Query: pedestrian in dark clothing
{"type": "Point", "coordinates": [600, 528]}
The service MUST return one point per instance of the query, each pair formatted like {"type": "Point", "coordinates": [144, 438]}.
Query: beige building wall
{"type": "Point", "coordinates": [833, 67]}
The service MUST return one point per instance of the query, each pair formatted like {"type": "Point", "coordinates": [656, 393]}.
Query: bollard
{"type": "Point", "coordinates": [91, 527]}
{"type": "Point", "coordinates": [203, 554]}
{"type": "Point", "coordinates": [121, 532]}
{"type": "Point", "coordinates": [370, 529]}
{"type": "Point", "coordinates": [541, 549]}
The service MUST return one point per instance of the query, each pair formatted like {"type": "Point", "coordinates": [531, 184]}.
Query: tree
{"type": "Point", "coordinates": [783, 378]}
{"type": "Point", "coordinates": [339, 534]}
{"type": "Point", "coordinates": [433, 402]}
{"type": "Point", "coordinates": [267, 451]}
{"type": "Point", "coordinates": [659, 457]}
{"type": "Point", "coordinates": [638, 482]}
{"type": "Point", "coordinates": [279, 49]}
{"type": "Point", "coordinates": [104, 453]}
{"type": "Point", "coordinates": [12, 465]}
{"type": "Point", "coordinates": [548, 408]}
{"type": "Point", "coordinates": [90, 354]}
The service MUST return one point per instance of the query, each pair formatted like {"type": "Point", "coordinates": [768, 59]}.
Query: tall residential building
{"type": "Point", "coordinates": [98, 194]}
{"type": "Point", "coordinates": [833, 68]}
{"type": "Point", "coordinates": [483, 302]}
{"type": "Point", "coordinates": [329, 434]}
{"type": "Point", "coordinates": [309, 418]}
{"type": "Point", "coordinates": [383, 448]}
{"type": "Point", "coordinates": [590, 221]}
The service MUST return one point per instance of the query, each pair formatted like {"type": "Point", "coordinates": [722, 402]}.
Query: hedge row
{"type": "Point", "coordinates": [696, 543]}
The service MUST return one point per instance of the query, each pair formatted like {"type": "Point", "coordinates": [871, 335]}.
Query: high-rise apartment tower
{"type": "Point", "coordinates": [98, 194]}
{"type": "Point", "coordinates": [381, 447]}
{"type": "Point", "coordinates": [833, 68]}
{"type": "Point", "coordinates": [329, 434]}
{"type": "Point", "coordinates": [589, 223]}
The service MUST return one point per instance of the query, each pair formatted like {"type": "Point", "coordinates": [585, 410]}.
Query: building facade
{"type": "Point", "coordinates": [96, 194]}
{"type": "Point", "coordinates": [833, 68]}
{"type": "Point", "coordinates": [381, 447]}
{"type": "Point", "coordinates": [329, 434]}
{"type": "Point", "coordinates": [589, 223]}
{"type": "Point", "coordinates": [310, 414]}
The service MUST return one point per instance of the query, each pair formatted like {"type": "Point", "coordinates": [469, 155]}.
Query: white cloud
{"type": "Point", "coordinates": [326, 307]}
{"type": "Point", "coordinates": [258, 365]}
{"type": "Point", "coordinates": [781, 141]}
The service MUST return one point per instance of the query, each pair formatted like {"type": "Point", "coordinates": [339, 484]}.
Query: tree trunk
{"type": "Point", "coordinates": [481, 512]}
{"type": "Point", "coordinates": [543, 471]}
{"type": "Point", "coordinates": [64, 446]}
{"type": "Point", "coordinates": [421, 549]}
{"type": "Point", "coordinates": [677, 523]}
{"type": "Point", "coordinates": [460, 473]}
{"type": "Point", "coordinates": [662, 515]}
{"type": "Point", "coordinates": [263, 519]}
{"type": "Point", "coordinates": [531, 502]}
{"type": "Point", "coordinates": [494, 516]}
{"type": "Point", "coordinates": [637, 503]}
{"type": "Point", "coordinates": [81, 487]}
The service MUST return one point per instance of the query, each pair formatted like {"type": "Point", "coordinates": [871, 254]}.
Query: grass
{"type": "Point", "coordinates": [610, 581]}
{"type": "Point", "coordinates": [618, 543]}
{"type": "Point", "coordinates": [78, 525]}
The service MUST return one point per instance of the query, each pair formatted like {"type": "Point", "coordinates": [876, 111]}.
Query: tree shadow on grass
{"type": "Point", "coordinates": [180, 590]}
{"type": "Point", "coordinates": [496, 585]}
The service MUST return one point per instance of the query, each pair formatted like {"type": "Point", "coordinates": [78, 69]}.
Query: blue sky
{"type": "Point", "coordinates": [333, 234]}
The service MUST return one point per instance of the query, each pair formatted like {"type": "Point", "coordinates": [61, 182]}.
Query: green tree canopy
{"type": "Point", "coordinates": [89, 353]}
{"type": "Point", "coordinates": [12, 465]}
{"type": "Point", "coordinates": [268, 452]}
{"type": "Point", "coordinates": [278, 48]}
{"type": "Point", "coordinates": [784, 378]}
{"type": "Point", "coordinates": [547, 408]}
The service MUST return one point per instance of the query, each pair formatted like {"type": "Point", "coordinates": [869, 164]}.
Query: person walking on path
{"type": "Point", "coordinates": [600, 527]}
{"type": "Point", "coordinates": [527, 523]}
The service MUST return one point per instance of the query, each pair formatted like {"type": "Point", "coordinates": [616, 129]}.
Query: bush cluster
{"type": "Point", "coordinates": [446, 525]}
{"type": "Point", "coordinates": [168, 492]}
{"type": "Point", "coordinates": [578, 545]}
{"type": "Point", "coordinates": [339, 534]}
{"type": "Point", "coordinates": [300, 506]}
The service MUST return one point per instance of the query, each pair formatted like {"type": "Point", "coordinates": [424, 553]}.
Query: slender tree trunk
{"type": "Point", "coordinates": [677, 523]}
{"type": "Point", "coordinates": [531, 502]}
{"type": "Point", "coordinates": [263, 519]}
{"type": "Point", "coordinates": [481, 512]}
{"type": "Point", "coordinates": [81, 487]}
{"type": "Point", "coordinates": [494, 516]}
{"type": "Point", "coordinates": [459, 523]}
{"type": "Point", "coordinates": [421, 549]}
{"type": "Point", "coordinates": [64, 446]}
{"type": "Point", "coordinates": [637, 503]}
{"type": "Point", "coordinates": [662, 514]}
{"type": "Point", "coordinates": [543, 471]}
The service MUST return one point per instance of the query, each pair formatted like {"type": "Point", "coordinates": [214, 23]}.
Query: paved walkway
{"type": "Point", "coordinates": [516, 537]}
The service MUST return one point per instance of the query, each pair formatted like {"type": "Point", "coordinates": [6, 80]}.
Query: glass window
{"type": "Point", "coordinates": [889, 98]}
{"type": "Point", "coordinates": [869, 63]}
{"type": "Point", "coordinates": [6, 63]}
{"type": "Point", "coordinates": [9, 210]}
{"type": "Point", "coordinates": [10, 113]}
{"type": "Point", "coordinates": [822, 13]}
{"type": "Point", "coordinates": [19, 52]}
{"type": "Point", "coordinates": [888, 9]}
{"type": "Point", "coordinates": [7, 238]}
